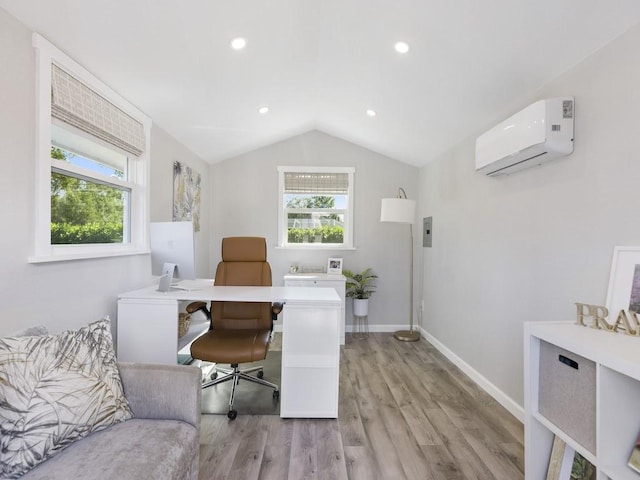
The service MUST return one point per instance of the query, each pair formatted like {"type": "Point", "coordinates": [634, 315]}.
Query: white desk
{"type": "Point", "coordinates": [148, 333]}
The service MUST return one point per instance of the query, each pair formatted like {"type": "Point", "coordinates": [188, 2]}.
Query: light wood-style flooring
{"type": "Point", "coordinates": [405, 412]}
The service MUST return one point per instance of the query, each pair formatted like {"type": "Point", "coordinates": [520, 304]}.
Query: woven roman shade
{"type": "Point", "coordinates": [316, 182]}
{"type": "Point", "coordinates": [75, 103]}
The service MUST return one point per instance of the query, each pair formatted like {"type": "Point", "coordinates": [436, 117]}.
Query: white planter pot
{"type": "Point", "coordinates": [361, 307]}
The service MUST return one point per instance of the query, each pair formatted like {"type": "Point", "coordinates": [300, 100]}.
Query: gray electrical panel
{"type": "Point", "coordinates": [427, 231]}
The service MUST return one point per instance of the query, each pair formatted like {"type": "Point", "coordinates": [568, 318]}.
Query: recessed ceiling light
{"type": "Point", "coordinates": [238, 43]}
{"type": "Point", "coordinates": [371, 113]}
{"type": "Point", "coordinates": [263, 110]}
{"type": "Point", "coordinates": [401, 47]}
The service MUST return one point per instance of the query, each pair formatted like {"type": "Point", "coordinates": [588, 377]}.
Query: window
{"type": "Point", "coordinates": [92, 164]}
{"type": "Point", "coordinates": [316, 207]}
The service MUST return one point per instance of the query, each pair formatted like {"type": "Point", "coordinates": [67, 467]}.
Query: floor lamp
{"type": "Point", "coordinates": [403, 210]}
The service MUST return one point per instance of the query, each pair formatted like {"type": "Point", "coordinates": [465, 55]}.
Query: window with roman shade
{"type": "Point", "coordinates": [316, 209]}
{"type": "Point", "coordinates": [93, 161]}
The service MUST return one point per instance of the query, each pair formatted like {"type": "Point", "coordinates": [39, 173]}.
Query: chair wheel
{"type": "Point", "coordinates": [276, 394]}
{"type": "Point", "coordinates": [232, 414]}
{"type": "Point", "coordinates": [260, 374]}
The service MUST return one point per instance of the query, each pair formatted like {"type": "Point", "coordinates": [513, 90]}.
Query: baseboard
{"type": "Point", "coordinates": [349, 328]}
{"type": "Point", "coordinates": [378, 328]}
{"type": "Point", "coordinates": [501, 397]}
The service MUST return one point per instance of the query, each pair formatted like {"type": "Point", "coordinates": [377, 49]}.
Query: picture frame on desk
{"type": "Point", "coordinates": [624, 281]}
{"type": "Point", "coordinates": [334, 266]}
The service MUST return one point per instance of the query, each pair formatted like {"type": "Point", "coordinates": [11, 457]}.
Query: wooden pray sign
{"type": "Point", "coordinates": [595, 316]}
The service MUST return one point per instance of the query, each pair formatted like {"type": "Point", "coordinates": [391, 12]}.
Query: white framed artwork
{"type": "Point", "coordinates": [624, 281]}
{"type": "Point", "coordinates": [334, 266]}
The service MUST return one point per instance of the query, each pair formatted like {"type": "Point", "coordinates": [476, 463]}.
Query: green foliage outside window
{"type": "Point", "coordinates": [66, 234]}
{"type": "Point", "coordinates": [324, 234]}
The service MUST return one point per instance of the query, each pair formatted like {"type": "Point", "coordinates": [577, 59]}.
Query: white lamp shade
{"type": "Point", "coordinates": [398, 210]}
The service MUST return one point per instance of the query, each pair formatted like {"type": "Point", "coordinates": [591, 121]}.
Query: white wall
{"type": "Point", "coordinates": [60, 295]}
{"type": "Point", "coordinates": [245, 202]}
{"type": "Point", "coordinates": [526, 247]}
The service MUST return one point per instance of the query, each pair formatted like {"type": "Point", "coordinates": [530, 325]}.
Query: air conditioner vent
{"type": "Point", "coordinates": [541, 132]}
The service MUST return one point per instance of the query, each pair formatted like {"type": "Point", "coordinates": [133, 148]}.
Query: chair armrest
{"type": "Point", "coordinates": [163, 391]}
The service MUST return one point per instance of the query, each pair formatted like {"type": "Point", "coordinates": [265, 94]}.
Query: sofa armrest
{"type": "Point", "coordinates": [163, 391]}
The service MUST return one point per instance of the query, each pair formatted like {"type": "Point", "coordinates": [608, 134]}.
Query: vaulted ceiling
{"type": "Point", "coordinates": [322, 64]}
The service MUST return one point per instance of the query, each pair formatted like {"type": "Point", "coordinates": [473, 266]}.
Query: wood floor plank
{"type": "Point", "coordinates": [304, 455]}
{"type": "Point", "coordinates": [513, 453]}
{"type": "Point", "coordinates": [404, 384]}
{"type": "Point", "coordinates": [405, 412]}
{"type": "Point", "coordinates": [209, 428]}
{"type": "Point", "coordinates": [468, 461]}
{"type": "Point", "coordinates": [349, 419]}
{"type": "Point", "coordinates": [331, 457]}
{"type": "Point", "coordinates": [250, 450]}
{"type": "Point", "coordinates": [442, 424]}
{"type": "Point", "coordinates": [423, 430]}
{"type": "Point", "coordinates": [369, 405]}
{"type": "Point", "coordinates": [469, 417]}
{"type": "Point", "coordinates": [441, 464]}
{"type": "Point", "coordinates": [499, 463]}
{"type": "Point", "coordinates": [500, 416]}
{"type": "Point", "coordinates": [412, 460]}
{"type": "Point", "coordinates": [221, 451]}
{"type": "Point", "coordinates": [277, 454]}
{"type": "Point", "coordinates": [361, 464]}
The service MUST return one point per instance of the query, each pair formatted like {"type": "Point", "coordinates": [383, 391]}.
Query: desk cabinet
{"type": "Point", "coordinates": [337, 282]}
{"type": "Point", "coordinates": [148, 330]}
{"type": "Point", "coordinates": [310, 362]}
{"type": "Point", "coordinates": [615, 386]}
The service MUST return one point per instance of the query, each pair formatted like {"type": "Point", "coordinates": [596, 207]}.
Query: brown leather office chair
{"type": "Point", "coordinates": [239, 332]}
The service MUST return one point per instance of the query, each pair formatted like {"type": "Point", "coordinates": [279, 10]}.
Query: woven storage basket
{"type": "Point", "coordinates": [184, 320]}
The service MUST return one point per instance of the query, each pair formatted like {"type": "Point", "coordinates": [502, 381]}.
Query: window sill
{"type": "Point", "coordinates": [83, 256]}
{"type": "Point", "coordinates": [311, 246]}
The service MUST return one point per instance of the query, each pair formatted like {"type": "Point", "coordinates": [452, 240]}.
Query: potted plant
{"type": "Point", "coordinates": [360, 287]}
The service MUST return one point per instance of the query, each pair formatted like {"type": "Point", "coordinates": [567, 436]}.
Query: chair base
{"type": "Point", "coordinates": [235, 375]}
{"type": "Point", "coordinates": [209, 370]}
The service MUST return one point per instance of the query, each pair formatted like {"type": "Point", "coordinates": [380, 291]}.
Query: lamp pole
{"type": "Point", "coordinates": [403, 210]}
{"type": "Point", "coordinates": [409, 335]}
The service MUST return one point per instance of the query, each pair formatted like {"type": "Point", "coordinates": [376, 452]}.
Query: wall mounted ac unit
{"type": "Point", "coordinates": [539, 133]}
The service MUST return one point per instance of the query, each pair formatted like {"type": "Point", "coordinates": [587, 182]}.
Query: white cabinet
{"type": "Point", "coordinates": [310, 361]}
{"type": "Point", "coordinates": [337, 282]}
{"type": "Point", "coordinates": [616, 414]}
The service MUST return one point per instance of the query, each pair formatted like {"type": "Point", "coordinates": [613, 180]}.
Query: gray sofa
{"type": "Point", "coordinates": [162, 441]}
